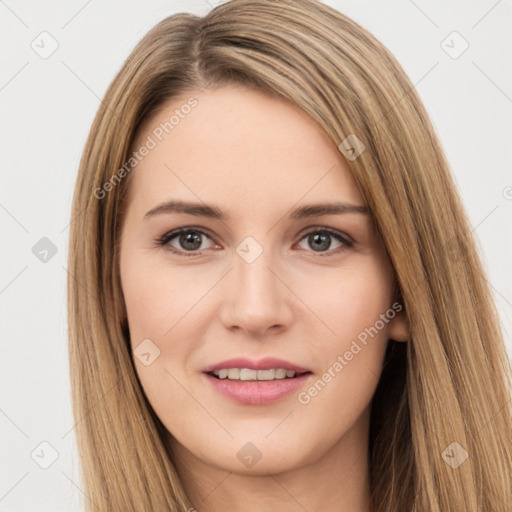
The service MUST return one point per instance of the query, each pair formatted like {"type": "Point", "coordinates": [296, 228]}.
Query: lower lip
{"type": "Point", "coordinates": [257, 392]}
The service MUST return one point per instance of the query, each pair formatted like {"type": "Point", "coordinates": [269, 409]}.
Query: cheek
{"type": "Point", "coordinates": [356, 309]}
{"type": "Point", "coordinates": [352, 300]}
{"type": "Point", "coordinates": [158, 302]}
{"type": "Point", "coordinates": [163, 305]}
{"type": "Point", "coordinates": [157, 298]}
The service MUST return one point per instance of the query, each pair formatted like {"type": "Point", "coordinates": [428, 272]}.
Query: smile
{"type": "Point", "coordinates": [248, 389]}
{"type": "Point", "coordinates": [249, 374]}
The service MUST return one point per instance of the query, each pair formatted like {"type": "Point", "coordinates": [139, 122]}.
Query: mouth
{"type": "Point", "coordinates": [248, 386]}
{"type": "Point", "coordinates": [260, 382]}
{"type": "Point", "coordinates": [250, 375]}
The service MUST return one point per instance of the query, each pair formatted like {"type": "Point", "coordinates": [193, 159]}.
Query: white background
{"type": "Point", "coordinates": [47, 107]}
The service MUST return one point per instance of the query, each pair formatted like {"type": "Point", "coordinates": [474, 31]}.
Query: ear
{"type": "Point", "coordinates": [398, 328]}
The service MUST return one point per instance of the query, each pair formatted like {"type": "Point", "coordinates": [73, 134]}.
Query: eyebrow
{"type": "Point", "coordinates": [204, 210]}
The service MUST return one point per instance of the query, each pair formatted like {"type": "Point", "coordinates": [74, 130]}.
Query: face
{"type": "Point", "coordinates": [250, 280]}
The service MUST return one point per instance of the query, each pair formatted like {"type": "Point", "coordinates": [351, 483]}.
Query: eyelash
{"type": "Point", "coordinates": [167, 237]}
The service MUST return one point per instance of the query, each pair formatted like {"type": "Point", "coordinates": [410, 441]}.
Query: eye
{"type": "Point", "coordinates": [188, 240]}
{"type": "Point", "coordinates": [190, 243]}
{"type": "Point", "coordinates": [320, 239]}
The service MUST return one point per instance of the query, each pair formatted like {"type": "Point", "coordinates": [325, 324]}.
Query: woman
{"type": "Point", "coordinates": [276, 302]}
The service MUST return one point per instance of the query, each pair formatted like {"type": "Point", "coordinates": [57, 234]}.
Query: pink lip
{"type": "Point", "coordinates": [263, 364]}
{"type": "Point", "coordinates": [257, 392]}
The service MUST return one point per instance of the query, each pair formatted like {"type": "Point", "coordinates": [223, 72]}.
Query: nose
{"type": "Point", "coordinates": [256, 299]}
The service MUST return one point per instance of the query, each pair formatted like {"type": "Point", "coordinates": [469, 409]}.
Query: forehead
{"type": "Point", "coordinates": [238, 144]}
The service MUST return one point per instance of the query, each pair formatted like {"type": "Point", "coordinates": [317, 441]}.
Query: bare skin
{"type": "Point", "coordinates": [303, 299]}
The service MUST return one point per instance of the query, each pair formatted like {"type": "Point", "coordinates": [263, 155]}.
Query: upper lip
{"type": "Point", "coordinates": [266, 363]}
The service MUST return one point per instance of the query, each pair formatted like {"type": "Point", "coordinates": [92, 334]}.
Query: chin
{"type": "Point", "coordinates": [258, 457]}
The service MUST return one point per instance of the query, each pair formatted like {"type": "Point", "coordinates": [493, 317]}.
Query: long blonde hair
{"type": "Point", "coordinates": [450, 383]}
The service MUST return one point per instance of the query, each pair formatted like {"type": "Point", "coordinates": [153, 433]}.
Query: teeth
{"type": "Point", "coordinates": [248, 374]}
{"type": "Point", "coordinates": [280, 373]}
{"type": "Point", "coordinates": [233, 373]}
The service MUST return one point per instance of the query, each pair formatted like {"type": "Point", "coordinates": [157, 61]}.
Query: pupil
{"type": "Point", "coordinates": [192, 238]}
{"type": "Point", "coordinates": [320, 241]}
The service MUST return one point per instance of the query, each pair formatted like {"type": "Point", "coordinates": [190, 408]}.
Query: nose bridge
{"type": "Point", "coordinates": [257, 286]}
{"type": "Point", "coordinates": [257, 298]}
